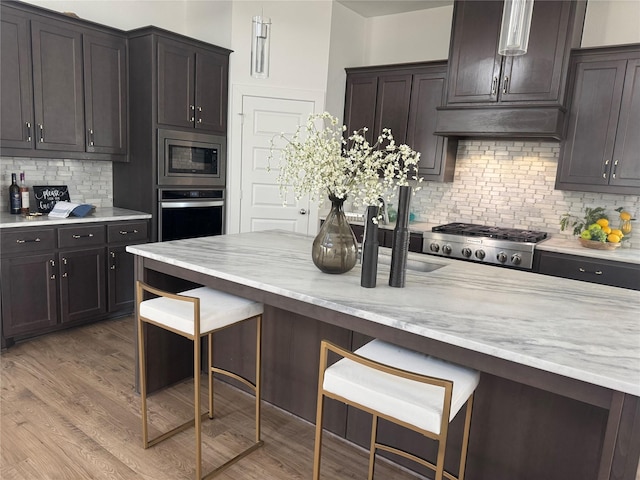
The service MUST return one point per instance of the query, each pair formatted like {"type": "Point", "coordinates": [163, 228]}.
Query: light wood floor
{"type": "Point", "coordinates": [68, 410]}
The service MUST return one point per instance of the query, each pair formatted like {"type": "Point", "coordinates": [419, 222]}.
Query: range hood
{"type": "Point", "coordinates": [501, 121]}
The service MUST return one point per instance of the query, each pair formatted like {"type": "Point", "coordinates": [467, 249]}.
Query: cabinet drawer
{"type": "Point", "coordinates": [592, 270]}
{"type": "Point", "coordinates": [27, 240]}
{"type": "Point", "coordinates": [127, 232]}
{"type": "Point", "coordinates": [81, 235]}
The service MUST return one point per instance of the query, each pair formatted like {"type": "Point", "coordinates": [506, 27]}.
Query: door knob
{"type": "Point", "coordinates": [303, 211]}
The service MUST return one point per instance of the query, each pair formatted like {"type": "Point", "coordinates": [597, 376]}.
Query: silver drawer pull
{"type": "Point", "coordinates": [28, 241]}
{"type": "Point", "coordinates": [124, 232]}
{"type": "Point", "coordinates": [597, 272]}
{"type": "Point", "coordinates": [83, 236]}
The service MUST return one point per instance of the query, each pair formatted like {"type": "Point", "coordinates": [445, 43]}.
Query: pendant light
{"type": "Point", "coordinates": [516, 23]}
{"type": "Point", "coordinates": [260, 43]}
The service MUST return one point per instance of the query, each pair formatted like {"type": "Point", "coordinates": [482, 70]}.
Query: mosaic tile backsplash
{"type": "Point", "coordinates": [497, 182]}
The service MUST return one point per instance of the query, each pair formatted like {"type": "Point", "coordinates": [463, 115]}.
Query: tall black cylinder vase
{"type": "Point", "coordinates": [400, 245]}
{"type": "Point", "coordinates": [370, 247]}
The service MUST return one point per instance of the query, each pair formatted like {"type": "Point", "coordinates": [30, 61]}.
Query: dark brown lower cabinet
{"type": "Point", "coordinates": [385, 237]}
{"type": "Point", "coordinates": [587, 269]}
{"type": "Point", "coordinates": [68, 275]}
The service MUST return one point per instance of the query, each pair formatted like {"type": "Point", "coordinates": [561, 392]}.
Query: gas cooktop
{"type": "Point", "coordinates": [472, 230]}
{"type": "Point", "coordinates": [509, 247]}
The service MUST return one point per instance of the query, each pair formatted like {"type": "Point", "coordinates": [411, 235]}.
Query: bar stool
{"type": "Point", "coordinates": [194, 314]}
{"type": "Point", "coordinates": [408, 388]}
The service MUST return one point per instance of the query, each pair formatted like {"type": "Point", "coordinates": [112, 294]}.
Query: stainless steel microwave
{"type": "Point", "coordinates": [189, 158]}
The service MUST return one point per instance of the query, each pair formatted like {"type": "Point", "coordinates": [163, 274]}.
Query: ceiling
{"type": "Point", "coordinates": [377, 8]}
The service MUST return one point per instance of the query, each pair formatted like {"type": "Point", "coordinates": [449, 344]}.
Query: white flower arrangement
{"type": "Point", "coordinates": [318, 161]}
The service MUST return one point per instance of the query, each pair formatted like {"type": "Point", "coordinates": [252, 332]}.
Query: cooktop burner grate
{"type": "Point", "coordinates": [473, 230]}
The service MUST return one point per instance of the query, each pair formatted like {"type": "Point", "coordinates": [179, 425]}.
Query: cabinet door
{"type": "Point", "coordinates": [474, 64]}
{"type": "Point", "coordinates": [175, 84]}
{"type": "Point", "coordinates": [537, 75]}
{"type": "Point", "coordinates": [360, 103]}
{"type": "Point", "coordinates": [105, 90]}
{"type": "Point", "coordinates": [82, 284]}
{"type": "Point", "coordinates": [212, 74]}
{"type": "Point", "coordinates": [626, 156]}
{"type": "Point", "coordinates": [29, 294]}
{"type": "Point", "coordinates": [586, 154]}
{"type": "Point", "coordinates": [16, 127]}
{"type": "Point", "coordinates": [57, 87]}
{"type": "Point", "coordinates": [428, 93]}
{"type": "Point", "coordinates": [392, 105]}
{"type": "Point", "coordinates": [121, 279]}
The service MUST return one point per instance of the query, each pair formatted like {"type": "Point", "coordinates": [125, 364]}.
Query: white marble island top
{"type": "Point", "coordinates": [580, 330]}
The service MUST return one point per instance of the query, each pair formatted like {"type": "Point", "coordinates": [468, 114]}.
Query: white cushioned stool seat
{"type": "Point", "coordinates": [217, 310]}
{"type": "Point", "coordinates": [406, 400]}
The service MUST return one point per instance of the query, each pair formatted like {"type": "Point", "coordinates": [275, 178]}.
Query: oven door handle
{"type": "Point", "coordinates": [192, 204]}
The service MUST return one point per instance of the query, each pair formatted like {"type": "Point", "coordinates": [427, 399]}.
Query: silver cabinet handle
{"type": "Point", "coordinates": [89, 235]}
{"type": "Point", "coordinates": [29, 240]}
{"type": "Point", "coordinates": [494, 86]}
{"type": "Point", "coordinates": [28, 125]}
{"type": "Point", "coordinates": [41, 128]}
{"type": "Point", "coordinates": [192, 108]}
{"type": "Point", "coordinates": [606, 164]}
{"type": "Point", "coordinates": [615, 166]}
{"type": "Point", "coordinates": [124, 232]}
{"type": "Point", "coordinates": [91, 139]}
{"type": "Point", "coordinates": [596, 272]}
{"type": "Point", "coordinates": [505, 84]}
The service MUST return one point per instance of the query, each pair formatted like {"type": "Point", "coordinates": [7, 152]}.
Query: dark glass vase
{"type": "Point", "coordinates": [335, 249]}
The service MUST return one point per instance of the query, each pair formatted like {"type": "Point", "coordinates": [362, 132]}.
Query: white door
{"type": "Point", "coordinates": [261, 207]}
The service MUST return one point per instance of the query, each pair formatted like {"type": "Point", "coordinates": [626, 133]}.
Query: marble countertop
{"type": "Point", "coordinates": [101, 214]}
{"type": "Point", "coordinates": [573, 247]}
{"type": "Point", "coordinates": [576, 329]}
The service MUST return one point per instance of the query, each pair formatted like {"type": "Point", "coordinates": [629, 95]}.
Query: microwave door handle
{"type": "Point", "coordinates": [218, 203]}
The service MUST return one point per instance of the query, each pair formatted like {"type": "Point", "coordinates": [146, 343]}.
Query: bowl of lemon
{"type": "Point", "coordinates": [595, 231]}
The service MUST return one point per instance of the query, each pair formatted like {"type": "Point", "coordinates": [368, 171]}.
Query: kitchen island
{"type": "Point", "coordinates": [559, 395]}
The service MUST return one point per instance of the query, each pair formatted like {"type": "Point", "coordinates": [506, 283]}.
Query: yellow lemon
{"type": "Point", "coordinates": [625, 216]}
{"type": "Point", "coordinates": [606, 230]}
{"type": "Point", "coordinates": [613, 238]}
{"type": "Point", "coordinates": [603, 222]}
{"type": "Point", "coordinates": [615, 231]}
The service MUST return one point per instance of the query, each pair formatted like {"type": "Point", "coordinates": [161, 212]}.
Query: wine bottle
{"type": "Point", "coordinates": [24, 195]}
{"type": "Point", "coordinates": [14, 196]}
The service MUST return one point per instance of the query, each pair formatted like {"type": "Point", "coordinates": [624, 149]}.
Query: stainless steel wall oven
{"type": "Point", "coordinates": [190, 213]}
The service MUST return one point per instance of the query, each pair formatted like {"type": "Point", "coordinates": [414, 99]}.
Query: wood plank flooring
{"type": "Point", "coordinates": [68, 410]}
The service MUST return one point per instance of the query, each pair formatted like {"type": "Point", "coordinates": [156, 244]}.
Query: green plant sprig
{"type": "Point", "coordinates": [579, 224]}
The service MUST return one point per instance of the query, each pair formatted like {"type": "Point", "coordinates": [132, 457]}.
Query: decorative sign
{"type": "Point", "coordinates": [47, 196]}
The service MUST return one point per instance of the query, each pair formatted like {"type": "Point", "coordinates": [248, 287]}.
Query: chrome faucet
{"type": "Point", "coordinates": [385, 214]}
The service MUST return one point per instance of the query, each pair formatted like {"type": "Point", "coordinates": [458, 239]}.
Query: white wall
{"type": "Point", "coordinates": [346, 49]}
{"type": "Point", "coordinates": [409, 37]}
{"type": "Point", "coordinates": [611, 23]}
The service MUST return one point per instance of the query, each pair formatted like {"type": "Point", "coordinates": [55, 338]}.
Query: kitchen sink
{"type": "Point", "coordinates": [384, 258]}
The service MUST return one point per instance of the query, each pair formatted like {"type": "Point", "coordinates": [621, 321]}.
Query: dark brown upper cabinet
{"type": "Point", "coordinates": [64, 86]}
{"type": "Point", "coordinates": [600, 153]}
{"type": "Point", "coordinates": [403, 98]}
{"type": "Point", "coordinates": [16, 115]}
{"type": "Point", "coordinates": [105, 93]}
{"type": "Point", "coordinates": [522, 96]}
{"type": "Point", "coordinates": [57, 87]}
{"type": "Point", "coordinates": [192, 86]}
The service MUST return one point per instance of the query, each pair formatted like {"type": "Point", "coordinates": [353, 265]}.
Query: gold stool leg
{"type": "Point", "coordinates": [465, 438]}
{"type": "Point", "coordinates": [258, 382]}
{"type": "Point", "coordinates": [143, 383]}
{"type": "Point", "coordinates": [210, 369]}
{"type": "Point", "coordinates": [196, 395]}
{"type": "Point", "coordinates": [372, 445]}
